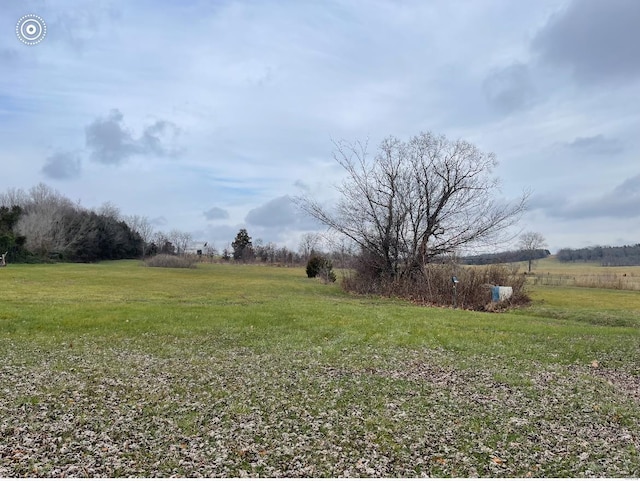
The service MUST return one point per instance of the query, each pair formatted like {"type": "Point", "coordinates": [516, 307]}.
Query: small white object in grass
{"type": "Point", "coordinates": [501, 293]}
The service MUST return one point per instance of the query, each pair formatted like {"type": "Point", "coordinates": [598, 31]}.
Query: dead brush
{"type": "Point", "coordinates": [169, 261]}
{"type": "Point", "coordinates": [433, 286]}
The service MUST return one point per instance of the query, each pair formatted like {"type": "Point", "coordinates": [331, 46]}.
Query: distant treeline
{"type": "Point", "coordinates": [505, 257]}
{"type": "Point", "coordinates": [42, 225]}
{"type": "Point", "coordinates": [605, 255]}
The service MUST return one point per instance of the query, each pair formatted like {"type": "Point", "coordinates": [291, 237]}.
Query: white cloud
{"type": "Point", "coordinates": [622, 202]}
{"type": "Point", "coordinates": [234, 104]}
{"type": "Point", "coordinates": [509, 88]}
{"type": "Point", "coordinates": [216, 213]}
{"type": "Point", "coordinates": [596, 144]}
{"type": "Point", "coordinates": [110, 142]}
{"type": "Point", "coordinates": [597, 41]}
{"type": "Point", "coordinates": [62, 166]}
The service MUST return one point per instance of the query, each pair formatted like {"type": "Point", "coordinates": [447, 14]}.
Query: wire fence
{"type": "Point", "coordinates": [630, 282]}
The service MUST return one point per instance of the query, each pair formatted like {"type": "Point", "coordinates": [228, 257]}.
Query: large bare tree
{"type": "Point", "coordinates": [309, 242]}
{"type": "Point", "coordinates": [181, 240]}
{"type": "Point", "coordinates": [46, 214]}
{"type": "Point", "coordinates": [531, 243]}
{"type": "Point", "coordinates": [143, 226]}
{"type": "Point", "coordinates": [416, 200]}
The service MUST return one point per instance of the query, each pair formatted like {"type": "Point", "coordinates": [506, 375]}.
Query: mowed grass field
{"type": "Point", "coordinates": [116, 369]}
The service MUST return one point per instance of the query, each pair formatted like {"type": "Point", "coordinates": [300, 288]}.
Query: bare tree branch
{"type": "Point", "coordinates": [416, 200]}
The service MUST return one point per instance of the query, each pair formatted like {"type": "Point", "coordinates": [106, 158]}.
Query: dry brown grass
{"type": "Point", "coordinates": [550, 272]}
{"type": "Point", "coordinates": [435, 287]}
{"type": "Point", "coordinates": [164, 260]}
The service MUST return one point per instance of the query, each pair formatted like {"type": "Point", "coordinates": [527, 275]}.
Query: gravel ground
{"type": "Point", "coordinates": [116, 411]}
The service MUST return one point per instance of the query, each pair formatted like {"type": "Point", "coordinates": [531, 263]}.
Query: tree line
{"type": "Point", "coordinates": [41, 224]}
{"type": "Point", "coordinates": [245, 250]}
{"type": "Point", "coordinates": [505, 257]}
{"type": "Point", "coordinates": [605, 255]}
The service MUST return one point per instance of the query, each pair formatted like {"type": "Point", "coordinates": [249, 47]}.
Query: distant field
{"type": "Point", "coordinates": [116, 369]}
{"type": "Point", "coordinates": [550, 272]}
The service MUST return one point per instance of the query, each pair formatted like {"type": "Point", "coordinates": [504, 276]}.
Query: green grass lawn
{"type": "Point", "coordinates": [117, 369]}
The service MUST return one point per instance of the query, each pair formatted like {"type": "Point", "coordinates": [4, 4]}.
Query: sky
{"type": "Point", "coordinates": [211, 116]}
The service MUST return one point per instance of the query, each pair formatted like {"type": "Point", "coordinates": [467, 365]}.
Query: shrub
{"type": "Point", "coordinates": [322, 267]}
{"type": "Point", "coordinates": [432, 285]}
{"type": "Point", "coordinates": [326, 272]}
{"type": "Point", "coordinates": [313, 266]}
{"type": "Point", "coordinates": [166, 260]}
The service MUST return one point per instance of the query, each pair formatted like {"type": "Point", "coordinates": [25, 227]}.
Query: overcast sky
{"type": "Point", "coordinates": [208, 116]}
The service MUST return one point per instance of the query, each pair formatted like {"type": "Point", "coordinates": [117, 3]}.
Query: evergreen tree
{"type": "Point", "coordinates": [242, 246]}
{"type": "Point", "coordinates": [11, 242]}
